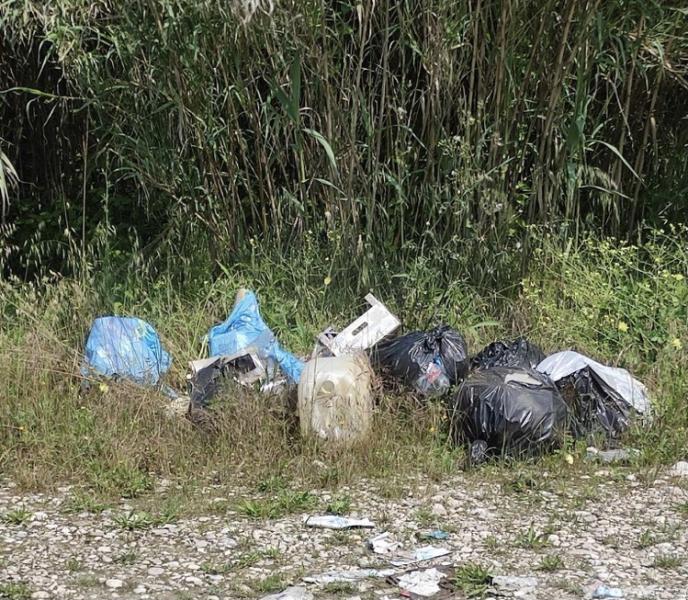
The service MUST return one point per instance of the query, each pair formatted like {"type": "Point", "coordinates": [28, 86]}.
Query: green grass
{"type": "Point", "coordinates": [339, 506]}
{"type": "Point", "coordinates": [339, 588]}
{"type": "Point", "coordinates": [15, 591]}
{"type": "Point", "coordinates": [133, 520]}
{"type": "Point", "coordinates": [551, 563]}
{"type": "Point", "coordinates": [645, 540]}
{"type": "Point", "coordinates": [127, 558]}
{"type": "Point", "coordinates": [213, 568]}
{"type": "Point", "coordinates": [472, 579]}
{"type": "Point", "coordinates": [531, 539]}
{"type": "Point", "coordinates": [16, 516]}
{"type": "Point", "coordinates": [84, 502]}
{"type": "Point", "coordinates": [73, 565]}
{"type": "Point", "coordinates": [286, 502]}
{"type": "Point", "coordinates": [270, 584]}
{"type": "Point", "coordinates": [668, 561]}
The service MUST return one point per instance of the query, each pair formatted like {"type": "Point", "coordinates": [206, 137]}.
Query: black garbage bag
{"type": "Point", "coordinates": [507, 410]}
{"type": "Point", "coordinates": [429, 361]}
{"type": "Point", "coordinates": [518, 353]}
{"type": "Point", "coordinates": [601, 399]}
{"type": "Point", "coordinates": [593, 410]}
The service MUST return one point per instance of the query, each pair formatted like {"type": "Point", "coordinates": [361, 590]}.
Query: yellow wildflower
{"type": "Point", "coordinates": [676, 343]}
{"type": "Point", "coordinates": [328, 280]}
{"type": "Point", "coordinates": [622, 326]}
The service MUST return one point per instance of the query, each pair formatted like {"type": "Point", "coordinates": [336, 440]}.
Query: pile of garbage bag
{"type": "Point", "coordinates": [429, 361]}
{"type": "Point", "coordinates": [518, 353]}
{"type": "Point", "coordinates": [507, 410]}
{"type": "Point", "coordinates": [509, 398]}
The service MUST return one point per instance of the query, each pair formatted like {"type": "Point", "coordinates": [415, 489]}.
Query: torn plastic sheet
{"type": "Point", "coordinates": [243, 329]}
{"type": "Point", "coordinates": [421, 583]}
{"type": "Point", "coordinates": [127, 348]}
{"type": "Point", "coordinates": [385, 543]}
{"type": "Point", "coordinates": [335, 522]}
{"type": "Point", "coordinates": [207, 375]}
{"type": "Point", "coordinates": [598, 396]}
{"type": "Point", "coordinates": [401, 559]}
{"type": "Point", "coordinates": [508, 410]}
{"type": "Point", "coordinates": [291, 593]}
{"type": "Point", "coordinates": [517, 353]}
{"type": "Point", "coordinates": [350, 576]}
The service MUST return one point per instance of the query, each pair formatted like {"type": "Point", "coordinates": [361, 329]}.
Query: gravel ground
{"type": "Point", "coordinates": [605, 527]}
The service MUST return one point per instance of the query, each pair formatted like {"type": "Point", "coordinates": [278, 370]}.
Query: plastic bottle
{"type": "Point", "coordinates": [335, 399]}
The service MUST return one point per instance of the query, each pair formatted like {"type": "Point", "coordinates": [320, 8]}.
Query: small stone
{"type": "Point", "coordinates": [140, 589]}
{"type": "Point", "coordinates": [514, 583]}
{"type": "Point", "coordinates": [680, 469]}
{"type": "Point", "coordinates": [193, 580]}
{"type": "Point", "coordinates": [114, 584]}
{"type": "Point", "coordinates": [156, 571]}
{"type": "Point", "coordinates": [439, 510]}
{"type": "Point", "coordinates": [40, 595]}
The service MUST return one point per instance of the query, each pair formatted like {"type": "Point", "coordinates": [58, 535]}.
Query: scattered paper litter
{"type": "Point", "coordinates": [422, 583]}
{"type": "Point", "coordinates": [348, 576]}
{"type": "Point", "coordinates": [384, 543]}
{"type": "Point", "coordinates": [334, 522]}
{"type": "Point", "coordinates": [417, 555]}
{"type": "Point", "coordinates": [291, 593]}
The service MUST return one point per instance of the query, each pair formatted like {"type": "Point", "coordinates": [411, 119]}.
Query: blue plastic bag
{"type": "Point", "coordinates": [244, 328]}
{"type": "Point", "coordinates": [125, 347]}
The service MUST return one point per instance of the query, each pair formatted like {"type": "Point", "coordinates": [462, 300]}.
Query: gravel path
{"type": "Point", "coordinates": [606, 528]}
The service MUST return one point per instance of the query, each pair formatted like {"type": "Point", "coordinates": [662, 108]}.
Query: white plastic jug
{"type": "Point", "coordinates": [335, 399]}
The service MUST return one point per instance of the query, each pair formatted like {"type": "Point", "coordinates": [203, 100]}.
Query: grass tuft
{"type": "Point", "coordinates": [472, 579]}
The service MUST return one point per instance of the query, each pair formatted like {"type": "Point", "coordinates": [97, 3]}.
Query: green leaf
{"type": "Point", "coordinates": [324, 143]}
{"type": "Point", "coordinates": [619, 155]}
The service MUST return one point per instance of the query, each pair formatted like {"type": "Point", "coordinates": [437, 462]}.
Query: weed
{"type": "Point", "coordinates": [425, 517]}
{"type": "Point", "coordinates": [272, 583]}
{"type": "Point", "coordinates": [568, 586]}
{"type": "Point", "coordinates": [84, 502]}
{"type": "Point", "coordinates": [73, 565]}
{"type": "Point", "coordinates": [126, 558]}
{"type": "Point", "coordinates": [272, 553]}
{"type": "Point", "coordinates": [134, 520]}
{"type": "Point", "coordinates": [339, 506]}
{"type": "Point", "coordinates": [668, 561]}
{"type": "Point", "coordinates": [218, 507]}
{"type": "Point", "coordinates": [286, 502]}
{"type": "Point", "coordinates": [492, 543]}
{"type": "Point", "coordinates": [17, 516]}
{"type": "Point", "coordinates": [15, 591]}
{"type": "Point", "coordinates": [646, 540]}
{"type": "Point", "coordinates": [210, 568]}
{"type": "Point", "coordinates": [531, 539]}
{"type": "Point", "coordinates": [472, 579]}
{"type": "Point", "coordinates": [682, 509]}
{"type": "Point", "coordinates": [87, 581]}
{"type": "Point", "coordinates": [248, 559]}
{"type": "Point", "coordinates": [273, 483]}
{"type": "Point", "coordinates": [551, 563]}
{"type": "Point", "coordinates": [339, 588]}
{"type": "Point", "coordinates": [341, 538]}
{"type": "Point", "coordinates": [612, 541]}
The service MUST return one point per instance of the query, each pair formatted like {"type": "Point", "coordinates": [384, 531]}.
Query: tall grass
{"type": "Point", "coordinates": [381, 126]}
{"type": "Point", "coordinates": [620, 303]}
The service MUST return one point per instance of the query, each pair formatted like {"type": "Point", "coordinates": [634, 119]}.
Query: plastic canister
{"type": "Point", "coordinates": [335, 398]}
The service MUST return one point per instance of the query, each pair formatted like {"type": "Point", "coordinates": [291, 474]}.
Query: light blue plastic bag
{"type": "Point", "coordinates": [244, 328]}
{"type": "Point", "coordinates": [125, 347]}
